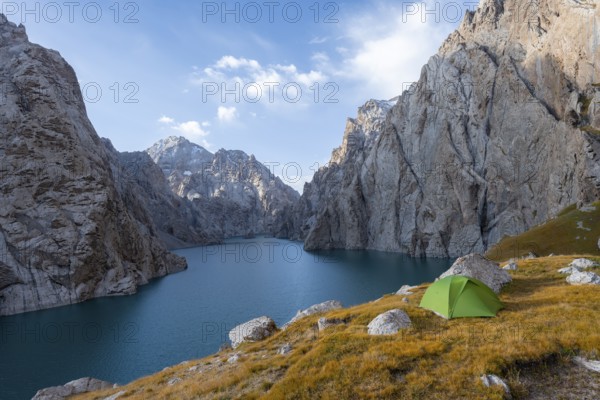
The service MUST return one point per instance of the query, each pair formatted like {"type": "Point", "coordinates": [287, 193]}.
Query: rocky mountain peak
{"type": "Point", "coordinates": [362, 131]}
{"type": "Point", "coordinates": [176, 153]}
{"type": "Point", "coordinates": [10, 33]}
{"type": "Point", "coordinates": [243, 196]}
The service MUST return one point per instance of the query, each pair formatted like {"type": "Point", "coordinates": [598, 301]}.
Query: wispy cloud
{"type": "Point", "coordinates": [227, 114]}
{"type": "Point", "coordinates": [318, 40]}
{"type": "Point", "coordinates": [385, 49]}
{"type": "Point", "coordinates": [192, 130]}
{"type": "Point", "coordinates": [255, 82]}
{"type": "Point", "coordinates": [166, 120]}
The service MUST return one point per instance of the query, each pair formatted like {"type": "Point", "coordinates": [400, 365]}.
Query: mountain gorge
{"type": "Point", "coordinates": [500, 133]}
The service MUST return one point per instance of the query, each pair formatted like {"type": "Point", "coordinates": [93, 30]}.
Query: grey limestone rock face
{"type": "Point", "coordinates": [478, 267]}
{"type": "Point", "coordinates": [79, 386]}
{"type": "Point", "coordinates": [324, 323]}
{"type": "Point", "coordinates": [494, 380]}
{"type": "Point", "coordinates": [389, 323]}
{"type": "Point", "coordinates": [583, 278]}
{"type": "Point", "coordinates": [241, 195]}
{"type": "Point", "coordinates": [70, 229]}
{"type": "Point", "coordinates": [316, 309]}
{"type": "Point", "coordinates": [178, 222]}
{"type": "Point", "coordinates": [252, 331]}
{"type": "Point", "coordinates": [497, 136]}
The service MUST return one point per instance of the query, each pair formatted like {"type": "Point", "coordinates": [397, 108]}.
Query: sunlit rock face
{"type": "Point", "coordinates": [241, 195]}
{"type": "Point", "coordinates": [70, 228]}
{"type": "Point", "coordinates": [499, 134]}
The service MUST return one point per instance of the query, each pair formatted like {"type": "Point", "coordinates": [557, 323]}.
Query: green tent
{"type": "Point", "coordinates": [458, 296]}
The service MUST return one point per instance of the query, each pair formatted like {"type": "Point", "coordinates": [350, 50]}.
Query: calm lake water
{"type": "Point", "coordinates": [188, 315]}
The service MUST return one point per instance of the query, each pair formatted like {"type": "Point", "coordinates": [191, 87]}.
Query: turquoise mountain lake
{"type": "Point", "coordinates": [188, 315]}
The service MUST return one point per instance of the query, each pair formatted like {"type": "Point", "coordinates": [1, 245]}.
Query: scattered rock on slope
{"type": "Point", "coordinates": [583, 263]}
{"type": "Point", "coordinates": [583, 278]}
{"type": "Point", "coordinates": [252, 331]}
{"type": "Point", "coordinates": [79, 386]}
{"type": "Point", "coordinates": [494, 380]}
{"type": "Point", "coordinates": [389, 323]}
{"type": "Point", "coordinates": [315, 309]}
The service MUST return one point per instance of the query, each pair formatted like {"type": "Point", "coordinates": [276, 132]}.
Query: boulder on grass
{"type": "Point", "coordinates": [325, 323]}
{"type": "Point", "coordinates": [494, 380]}
{"type": "Point", "coordinates": [583, 263]}
{"type": "Point", "coordinates": [252, 331]}
{"type": "Point", "coordinates": [568, 270]}
{"type": "Point", "coordinates": [79, 386]}
{"type": "Point", "coordinates": [588, 364]}
{"type": "Point", "coordinates": [478, 267]}
{"type": "Point", "coordinates": [406, 290]}
{"type": "Point", "coordinates": [316, 309]}
{"type": "Point", "coordinates": [510, 267]}
{"type": "Point", "coordinates": [583, 278]}
{"type": "Point", "coordinates": [389, 323]}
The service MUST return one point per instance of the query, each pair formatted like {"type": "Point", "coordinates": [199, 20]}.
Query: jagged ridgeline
{"type": "Point", "coordinates": [500, 133]}
{"type": "Point", "coordinates": [238, 194]}
{"type": "Point", "coordinates": [71, 226]}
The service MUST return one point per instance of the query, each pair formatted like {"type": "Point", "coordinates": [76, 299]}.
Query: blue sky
{"type": "Point", "coordinates": [276, 79]}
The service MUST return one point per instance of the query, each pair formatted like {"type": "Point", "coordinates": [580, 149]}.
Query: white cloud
{"type": "Point", "coordinates": [256, 82]}
{"type": "Point", "coordinates": [390, 48]}
{"type": "Point", "coordinates": [166, 120]}
{"type": "Point", "coordinates": [318, 40]}
{"type": "Point", "coordinates": [191, 129]}
{"type": "Point", "coordinates": [227, 114]}
{"type": "Point", "coordinates": [236, 63]}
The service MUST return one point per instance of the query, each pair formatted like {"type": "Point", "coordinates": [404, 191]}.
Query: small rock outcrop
{"type": "Point", "coordinates": [592, 365]}
{"type": "Point", "coordinates": [316, 309]}
{"type": "Point", "coordinates": [583, 263]}
{"type": "Point", "coordinates": [234, 358]}
{"type": "Point", "coordinates": [405, 290]}
{"type": "Point", "coordinates": [449, 172]}
{"type": "Point", "coordinates": [494, 380]}
{"type": "Point", "coordinates": [389, 323]}
{"type": "Point", "coordinates": [325, 323]}
{"type": "Point", "coordinates": [79, 386]}
{"type": "Point", "coordinates": [285, 349]}
{"type": "Point", "coordinates": [583, 278]}
{"type": "Point", "coordinates": [568, 270]}
{"type": "Point", "coordinates": [510, 267]}
{"type": "Point", "coordinates": [252, 331]}
{"type": "Point", "coordinates": [478, 267]}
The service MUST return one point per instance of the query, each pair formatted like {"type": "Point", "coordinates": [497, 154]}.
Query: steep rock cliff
{"type": "Point", "coordinates": [499, 134]}
{"type": "Point", "coordinates": [69, 228]}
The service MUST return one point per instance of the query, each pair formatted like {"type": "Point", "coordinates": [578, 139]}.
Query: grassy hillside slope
{"type": "Point", "coordinates": [573, 231]}
{"type": "Point", "coordinates": [529, 344]}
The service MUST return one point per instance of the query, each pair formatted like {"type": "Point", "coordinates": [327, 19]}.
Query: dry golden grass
{"type": "Point", "coordinates": [571, 232]}
{"type": "Point", "coordinates": [544, 319]}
